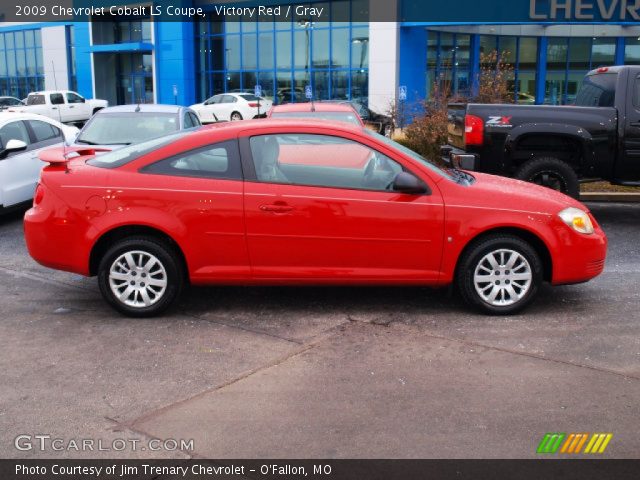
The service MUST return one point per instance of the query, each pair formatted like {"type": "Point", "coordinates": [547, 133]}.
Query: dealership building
{"type": "Point", "coordinates": [366, 50]}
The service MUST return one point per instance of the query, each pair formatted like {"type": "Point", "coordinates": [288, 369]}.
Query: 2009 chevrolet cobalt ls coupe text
{"type": "Point", "coordinates": [280, 202]}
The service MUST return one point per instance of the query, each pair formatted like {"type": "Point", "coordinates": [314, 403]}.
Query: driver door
{"type": "Point", "coordinates": [320, 208]}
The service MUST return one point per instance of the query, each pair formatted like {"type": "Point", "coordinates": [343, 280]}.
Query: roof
{"type": "Point", "coordinates": [267, 123]}
{"type": "Point", "coordinates": [46, 92]}
{"type": "Point", "coordinates": [319, 107]}
{"type": "Point", "coordinates": [9, 115]}
{"type": "Point", "coordinates": [144, 108]}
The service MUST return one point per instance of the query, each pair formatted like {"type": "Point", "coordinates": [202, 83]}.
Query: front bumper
{"type": "Point", "coordinates": [579, 258]}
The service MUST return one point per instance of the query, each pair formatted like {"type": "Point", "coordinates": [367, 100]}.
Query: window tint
{"type": "Point", "coordinates": [14, 131]}
{"type": "Point", "coordinates": [188, 122]}
{"type": "Point", "coordinates": [44, 131]}
{"type": "Point", "coordinates": [250, 98]}
{"type": "Point", "coordinates": [598, 90]}
{"type": "Point", "coordinates": [125, 155]}
{"type": "Point", "coordinates": [321, 160]}
{"type": "Point", "coordinates": [35, 100]}
{"type": "Point", "coordinates": [9, 101]}
{"type": "Point", "coordinates": [56, 98]}
{"type": "Point", "coordinates": [73, 98]}
{"type": "Point", "coordinates": [194, 119]}
{"type": "Point", "coordinates": [221, 160]}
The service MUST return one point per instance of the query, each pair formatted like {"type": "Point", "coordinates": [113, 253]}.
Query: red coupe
{"type": "Point", "coordinates": [218, 205]}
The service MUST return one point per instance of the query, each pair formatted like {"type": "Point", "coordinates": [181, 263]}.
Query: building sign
{"type": "Point", "coordinates": [589, 10]}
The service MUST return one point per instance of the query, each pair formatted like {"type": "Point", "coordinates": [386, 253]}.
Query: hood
{"type": "Point", "coordinates": [196, 105]}
{"type": "Point", "coordinates": [499, 192]}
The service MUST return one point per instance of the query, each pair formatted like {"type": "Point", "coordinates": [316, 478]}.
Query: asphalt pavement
{"type": "Point", "coordinates": [320, 372]}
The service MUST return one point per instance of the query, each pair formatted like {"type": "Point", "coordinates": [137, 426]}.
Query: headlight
{"type": "Point", "coordinates": [577, 219]}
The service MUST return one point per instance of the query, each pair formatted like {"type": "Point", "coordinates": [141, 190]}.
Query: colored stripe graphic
{"type": "Point", "coordinates": [551, 442]}
{"type": "Point", "coordinates": [598, 443]}
{"type": "Point", "coordinates": [574, 443]}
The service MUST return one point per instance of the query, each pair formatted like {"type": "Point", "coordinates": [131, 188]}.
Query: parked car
{"type": "Point", "coordinates": [316, 111]}
{"type": "Point", "coordinates": [232, 107]}
{"type": "Point", "coordinates": [6, 102]}
{"type": "Point", "coordinates": [64, 106]}
{"type": "Point", "coordinates": [382, 124]}
{"type": "Point", "coordinates": [556, 146]}
{"type": "Point", "coordinates": [22, 137]}
{"type": "Point", "coordinates": [216, 205]}
{"type": "Point", "coordinates": [115, 127]}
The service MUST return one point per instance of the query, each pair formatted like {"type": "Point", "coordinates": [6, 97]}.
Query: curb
{"type": "Point", "coordinates": [620, 197]}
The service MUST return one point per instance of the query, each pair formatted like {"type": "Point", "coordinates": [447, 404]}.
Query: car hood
{"type": "Point", "coordinates": [502, 193]}
{"type": "Point", "coordinates": [196, 105]}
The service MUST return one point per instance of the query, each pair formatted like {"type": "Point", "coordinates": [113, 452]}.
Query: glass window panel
{"type": "Point", "coordinates": [283, 25]}
{"type": "Point", "coordinates": [528, 53]}
{"type": "Point", "coordinates": [340, 84]}
{"type": "Point", "coordinates": [29, 40]}
{"type": "Point", "coordinates": [284, 90]}
{"type": "Point", "coordinates": [321, 85]}
{"type": "Point", "coordinates": [360, 86]}
{"type": "Point", "coordinates": [249, 54]}
{"type": "Point", "coordinates": [233, 81]}
{"type": "Point", "coordinates": [463, 45]}
{"type": "Point", "coordinates": [432, 49]}
{"type": "Point", "coordinates": [248, 24]}
{"type": "Point", "coordinates": [446, 50]}
{"type": "Point", "coordinates": [508, 47]}
{"type": "Point", "coordinates": [216, 44]}
{"type": "Point", "coordinates": [266, 82]}
{"type": "Point", "coordinates": [9, 40]}
{"type": "Point", "coordinates": [339, 48]}
{"type": "Point", "coordinates": [266, 50]}
{"type": "Point", "coordinates": [40, 70]}
{"type": "Point", "coordinates": [233, 52]}
{"type": "Point", "coordinates": [320, 54]}
{"type": "Point", "coordinates": [579, 53]}
{"type": "Point", "coordinates": [301, 44]}
{"type": "Point", "coordinates": [360, 47]}
{"type": "Point", "coordinates": [283, 50]}
{"type": "Point", "coordinates": [11, 63]}
{"type": "Point", "coordinates": [136, 31]}
{"type": "Point", "coordinates": [202, 26]}
{"type": "Point", "coordinates": [2, 41]}
{"type": "Point", "coordinates": [557, 54]}
{"type": "Point", "coordinates": [300, 80]}
{"type": "Point", "coordinates": [488, 44]}
{"type": "Point", "coordinates": [249, 80]}
{"type": "Point", "coordinates": [217, 84]}
{"type": "Point", "coordinates": [19, 36]}
{"type": "Point", "coordinates": [231, 24]}
{"type": "Point", "coordinates": [146, 31]}
{"type": "Point", "coordinates": [631, 51]}
{"type": "Point", "coordinates": [554, 88]}
{"type": "Point", "coordinates": [574, 80]}
{"type": "Point", "coordinates": [204, 53]}
{"type": "Point", "coordinates": [38, 37]}
{"type": "Point", "coordinates": [265, 22]}
{"type": "Point", "coordinates": [603, 52]}
{"type": "Point", "coordinates": [31, 61]}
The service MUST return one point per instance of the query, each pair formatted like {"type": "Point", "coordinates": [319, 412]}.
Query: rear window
{"type": "Point", "coordinates": [122, 156]}
{"type": "Point", "coordinates": [127, 128]}
{"type": "Point", "coordinates": [337, 116]}
{"type": "Point", "coordinates": [250, 98]}
{"type": "Point", "coordinates": [597, 90]}
{"type": "Point", "coordinates": [35, 100]}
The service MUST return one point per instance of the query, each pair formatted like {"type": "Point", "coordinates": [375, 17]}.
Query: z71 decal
{"type": "Point", "coordinates": [499, 121]}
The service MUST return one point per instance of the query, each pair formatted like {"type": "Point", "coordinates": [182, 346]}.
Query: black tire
{"type": "Point", "coordinates": [237, 116]}
{"type": "Point", "coordinates": [552, 173]}
{"type": "Point", "coordinates": [173, 274]}
{"type": "Point", "coordinates": [476, 254]}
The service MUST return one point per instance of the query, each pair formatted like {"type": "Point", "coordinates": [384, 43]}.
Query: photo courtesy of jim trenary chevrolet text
{"type": "Point", "coordinates": [323, 239]}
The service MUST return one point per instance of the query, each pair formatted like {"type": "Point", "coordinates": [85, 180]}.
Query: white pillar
{"type": "Point", "coordinates": [383, 55]}
{"type": "Point", "coordinates": [54, 56]}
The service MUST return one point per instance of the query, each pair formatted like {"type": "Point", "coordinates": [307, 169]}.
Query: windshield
{"type": "Point", "coordinates": [127, 128]}
{"type": "Point", "coordinates": [125, 155]}
{"type": "Point", "coordinates": [597, 90]}
{"type": "Point", "coordinates": [35, 100]}
{"type": "Point", "coordinates": [339, 116]}
{"type": "Point", "coordinates": [411, 154]}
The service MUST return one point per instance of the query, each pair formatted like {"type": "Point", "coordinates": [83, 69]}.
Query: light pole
{"type": "Point", "coordinates": [307, 24]}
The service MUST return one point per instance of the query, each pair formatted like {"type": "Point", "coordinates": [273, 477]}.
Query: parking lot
{"type": "Point", "coordinates": [321, 372]}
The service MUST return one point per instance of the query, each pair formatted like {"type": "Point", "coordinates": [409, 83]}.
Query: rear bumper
{"type": "Point", "coordinates": [55, 241]}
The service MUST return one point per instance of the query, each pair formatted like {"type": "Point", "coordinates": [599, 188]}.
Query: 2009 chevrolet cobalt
{"type": "Point", "coordinates": [280, 202]}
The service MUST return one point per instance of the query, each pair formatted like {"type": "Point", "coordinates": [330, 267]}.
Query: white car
{"type": "Point", "coordinates": [231, 107]}
{"type": "Point", "coordinates": [64, 105]}
{"type": "Point", "coordinates": [22, 137]}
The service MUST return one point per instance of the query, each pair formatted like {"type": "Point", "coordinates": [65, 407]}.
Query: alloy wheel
{"type": "Point", "coordinates": [138, 279]}
{"type": "Point", "coordinates": [502, 277]}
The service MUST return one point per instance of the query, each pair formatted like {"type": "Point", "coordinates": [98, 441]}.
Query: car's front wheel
{"type": "Point", "coordinates": [236, 116]}
{"type": "Point", "coordinates": [140, 277]}
{"type": "Point", "coordinates": [499, 274]}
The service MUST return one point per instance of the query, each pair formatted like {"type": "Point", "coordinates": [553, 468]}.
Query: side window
{"type": "Point", "coordinates": [322, 161]}
{"type": "Point", "coordinates": [194, 119]}
{"type": "Point", "coordinates": [14, 131]}
{"type": "Point", "coordinates": [229, 99]}
{"type": "Point", "coordinates": [44, 131]}
{"type": "Point", "coordinates": [188, 122]}
{"type": "Point", "coordinates": [56, 99]}
{"type": "Point", "coordinates": [73, 98]}
{"type": "Point", "coordinates": [221, 160]}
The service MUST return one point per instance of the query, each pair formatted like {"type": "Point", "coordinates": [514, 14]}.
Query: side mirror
{"type": "Point", "coordinates": [408, 183]}
{"type": "Point", "coordinates": [13, 145]}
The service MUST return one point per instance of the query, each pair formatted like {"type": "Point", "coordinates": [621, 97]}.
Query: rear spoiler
{"type": "Point", "coordinates": [60, 155]}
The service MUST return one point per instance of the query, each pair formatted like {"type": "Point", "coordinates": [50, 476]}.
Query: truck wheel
{"type": "Point", "coordinates": [140, 276]}
{"type": "Point", "coordinates": [499, 274]}
{"type": "Point", "coordinates": [552, 173]}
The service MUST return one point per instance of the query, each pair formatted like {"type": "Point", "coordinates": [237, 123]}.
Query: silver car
{"type": "Point", "coordinates": [115, 127]}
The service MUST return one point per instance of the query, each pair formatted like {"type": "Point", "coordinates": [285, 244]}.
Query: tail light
{"type": "Point", "coordinates": [473, 130]}
{"type": "Point", "coordinates": [254, 104]}
{"type": "Point", "coordinates": [38, 195]}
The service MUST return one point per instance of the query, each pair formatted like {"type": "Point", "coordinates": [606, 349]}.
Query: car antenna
{"type": "Point", "coordinates": [137, 108]}
{"type": "Point", "coordinates": [313, 105]}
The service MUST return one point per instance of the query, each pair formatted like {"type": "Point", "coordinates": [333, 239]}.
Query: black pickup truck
{"type": "Point", "coordinates": [598, 138]}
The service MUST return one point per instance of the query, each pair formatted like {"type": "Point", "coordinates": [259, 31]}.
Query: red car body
{"type": "Point", "coordinates": [244, 231]}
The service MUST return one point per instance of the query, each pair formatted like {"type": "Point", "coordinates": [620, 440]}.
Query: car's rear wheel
{"type": "Point", "coordinates": [499, 274]}
{"type": "Point", "coordinates": [235, 116]}
{"type": "Point", "coordinates": [552, 173]}
{"type": "Point", "coordinates": [140, 277]}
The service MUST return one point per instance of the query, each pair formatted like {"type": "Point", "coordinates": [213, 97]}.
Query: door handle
{"type": "Point", "coordinates": [276, 208]}
{"type": "Point", "coordinates": [54, 108]}
{"type": "Point", "coordinates": [70, 106]}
